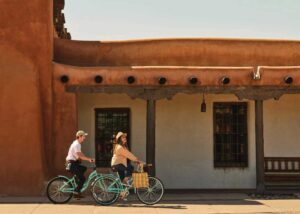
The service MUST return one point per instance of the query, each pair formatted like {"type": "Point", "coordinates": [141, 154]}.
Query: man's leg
{"type": "Point", "coordinates": [78, 170]}
{"type": "Point", "coordinates": [81, 177]}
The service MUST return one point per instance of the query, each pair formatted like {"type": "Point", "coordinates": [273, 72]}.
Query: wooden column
{"type": "Point", "coordinates": [150, 133]}
{"type": "Point", "coordinates": [259, 138]}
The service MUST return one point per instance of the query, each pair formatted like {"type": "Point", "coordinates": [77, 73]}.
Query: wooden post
{"type": "Point", "coordinates": [150, 133]}
{"type": "Point", "coordinates": [259, 138]}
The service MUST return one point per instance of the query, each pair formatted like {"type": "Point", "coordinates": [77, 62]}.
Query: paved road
{"type": "Point", "coordinates": [197, 203]}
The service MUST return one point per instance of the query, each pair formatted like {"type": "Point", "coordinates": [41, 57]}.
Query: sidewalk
{"type": "Point", "coordinates": [171, 203]}
{"type": "Point", "coordinates": [133, 198]}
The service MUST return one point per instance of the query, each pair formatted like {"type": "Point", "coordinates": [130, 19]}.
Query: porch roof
{"type": "Point", "coordinates": [180, 76]}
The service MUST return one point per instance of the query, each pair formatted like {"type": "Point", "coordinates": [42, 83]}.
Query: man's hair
{"type": "Point", "coordinates": [77, 137]}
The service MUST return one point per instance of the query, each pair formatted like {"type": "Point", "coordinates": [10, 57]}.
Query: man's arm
{"type": "Point", "coordinates": [83, 157]}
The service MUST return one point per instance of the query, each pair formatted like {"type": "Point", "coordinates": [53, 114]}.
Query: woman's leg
{"type": "Point", "coordinates": [129, 170]}
{"type": "Point", "coordinates": [121, 170]}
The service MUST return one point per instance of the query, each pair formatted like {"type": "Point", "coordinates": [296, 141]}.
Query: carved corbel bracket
{"type": "Point", "coordinates": [258, 94]}
{"type": "Point", "coordinates": [152, 94]}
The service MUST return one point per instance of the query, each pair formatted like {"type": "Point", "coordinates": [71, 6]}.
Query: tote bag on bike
{"type": "Point", "coordinates": [140, 179]}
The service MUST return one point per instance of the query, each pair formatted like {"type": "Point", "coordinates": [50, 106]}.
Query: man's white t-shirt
{"type": "Point", "coordinates": [74, 148]}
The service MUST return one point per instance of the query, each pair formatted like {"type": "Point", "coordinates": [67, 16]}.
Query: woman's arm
{"type": "Point", "coordinates": [126, 153]}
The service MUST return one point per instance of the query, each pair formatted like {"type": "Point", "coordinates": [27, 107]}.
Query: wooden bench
{"type": "Point", "coordinates": [282, 171]}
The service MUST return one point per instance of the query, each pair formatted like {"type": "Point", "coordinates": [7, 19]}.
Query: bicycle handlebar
{"type": "Point", "coordinates": [144, 164]}
{"type": "Point", "coordinates": [92, 165]}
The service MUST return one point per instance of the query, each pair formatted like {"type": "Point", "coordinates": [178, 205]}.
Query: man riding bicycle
{"type": "Point", "coordinates": [74, 158]}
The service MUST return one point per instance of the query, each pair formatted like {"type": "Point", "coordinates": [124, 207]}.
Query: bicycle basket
{"type": "Point", "coordinates": [140, 179]}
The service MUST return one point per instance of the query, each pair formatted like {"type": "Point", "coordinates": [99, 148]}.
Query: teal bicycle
{"type": "Point", "coordinates": [61, 188]}
{"type": "Point", "coordinates": [108, 188]}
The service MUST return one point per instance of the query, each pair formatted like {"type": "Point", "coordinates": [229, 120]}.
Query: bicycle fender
{"type": "Point", "coordinates": [59, 176]}
{"type": "Point", "coordinates": [62, 176]}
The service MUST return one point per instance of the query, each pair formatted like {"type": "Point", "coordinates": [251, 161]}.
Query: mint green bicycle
{"type": "Point", "coordinates": [60, 189]}
{"type": "Point", "coordinates": [107, 188]}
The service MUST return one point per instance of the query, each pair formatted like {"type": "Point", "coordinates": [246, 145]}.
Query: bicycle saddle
{"type": "Point", "coordinates": [114, 169]}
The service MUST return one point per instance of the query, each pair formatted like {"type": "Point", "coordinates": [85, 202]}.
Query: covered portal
{"type": "Point", "coordinates": [220, 149]}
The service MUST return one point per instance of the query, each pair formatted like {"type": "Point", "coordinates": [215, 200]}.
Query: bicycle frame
{"type": "Point", "coordinates": [117, 181]}
{"type": "Point", "coordinates": [93, 176]}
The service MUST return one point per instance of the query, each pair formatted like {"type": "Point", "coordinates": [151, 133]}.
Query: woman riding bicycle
{"type": "Point", "coordinates": [120, 156]}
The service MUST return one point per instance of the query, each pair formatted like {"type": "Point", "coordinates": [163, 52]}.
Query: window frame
{"type": "Point", "coordinates": [245, 162]}
{"type": "Point", "coordinates": [107, 110]}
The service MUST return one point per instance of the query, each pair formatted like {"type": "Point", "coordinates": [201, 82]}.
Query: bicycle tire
{"type": "Point", "coordinates": [53, 187]}
{"type": "Point", "coordinates": [99, 191]}
{"type": "Point", "coordinates": [144, 194]}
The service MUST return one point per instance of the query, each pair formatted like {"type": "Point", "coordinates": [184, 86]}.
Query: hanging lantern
{"type": "Point", "coordinates": [203, 104]}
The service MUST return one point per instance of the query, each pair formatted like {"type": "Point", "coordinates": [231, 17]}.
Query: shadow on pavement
{"type": "Point", "coordinates": [150, 206]}
{"type": "Point", "coordinates": [172, 204]}
{"type": "Point", "coordinates": [167, 203]}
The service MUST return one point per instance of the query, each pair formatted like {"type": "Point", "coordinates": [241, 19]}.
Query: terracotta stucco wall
{"type": "Point", "coordinates": [25, 94]}
{"type": "Point", "coordinates": [178, 52]}
{"type": "Point", "coordinates": [64, 125]}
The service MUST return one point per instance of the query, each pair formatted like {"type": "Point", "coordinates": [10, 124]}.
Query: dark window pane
{"type": "Point", "coordinates": [108, 123]}
{"type": "Point", "coordinates": [230, 135]}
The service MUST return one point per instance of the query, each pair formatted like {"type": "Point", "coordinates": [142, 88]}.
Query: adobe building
{"type": "Point", "coordinates": [209, 114]}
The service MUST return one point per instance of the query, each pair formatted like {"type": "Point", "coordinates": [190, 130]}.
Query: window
{"type": "Point", "coordinates": [230, 135]}
{"type": "Point", "coordinates": [108, 123]}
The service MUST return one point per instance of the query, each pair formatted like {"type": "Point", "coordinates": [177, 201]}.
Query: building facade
{"type": "Point", "coordinates": [52, 86]}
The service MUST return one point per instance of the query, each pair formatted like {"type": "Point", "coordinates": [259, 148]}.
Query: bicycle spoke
{"type": "Point", "coordinates": [54, 194]}
{"type": "Point", "coordinates": [55, 191]}
{"type": "Point", "coordinates": [153, 193]}
{"type": "Point", "coordinates": [156, 185]}
{"type": "Point", "coordinates": [103, 191]}
{"type": "Point", "coordinates": [146, 194]}
{"type": "Point", "coordinates": [100, 185]}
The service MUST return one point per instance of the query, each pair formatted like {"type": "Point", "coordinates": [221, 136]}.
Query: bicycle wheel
{"type": "Point", "coordinates": [54, 193]}
{"type": "Point", "coordinates": [105, 190]}
{"type": "Point", "coordinates": [152, 194]}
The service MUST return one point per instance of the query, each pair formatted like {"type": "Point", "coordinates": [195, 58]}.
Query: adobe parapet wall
{"type": "Point", "coordinates": [178, 52]}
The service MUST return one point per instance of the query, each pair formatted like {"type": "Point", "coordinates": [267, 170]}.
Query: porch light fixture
{"type": "Point", "coordinates": [203, 104]}
{"type": "Point", "coordinates": [98, 79]}
{"type": "Point", "coordinates": [225, 80]}
{"type": "Point", "coordinates": [130, 79]}
{"type": "Point", "coordinates": [288, 79]}
{"type": "Point", "coordinates": [193, 80]}
{"type": "Point", "coordinates": [162, 80]}
{"type": "Point", "coordinates": [64, 78]}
